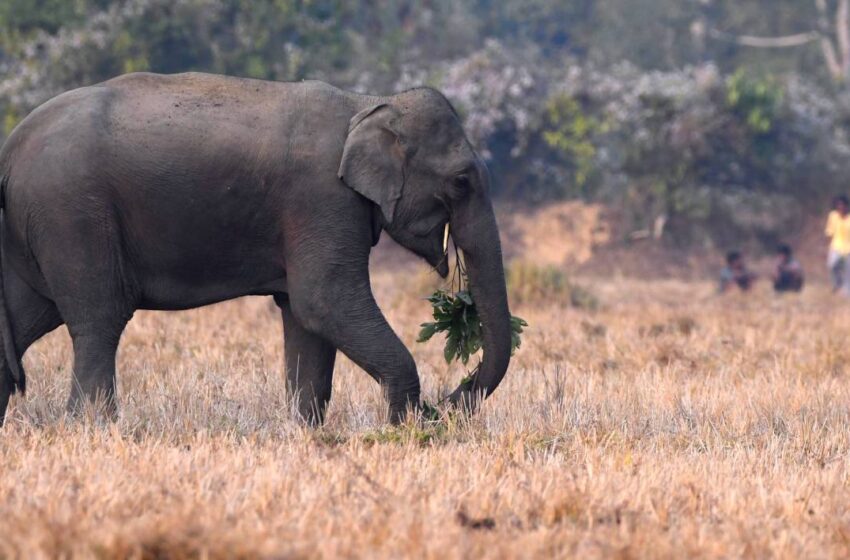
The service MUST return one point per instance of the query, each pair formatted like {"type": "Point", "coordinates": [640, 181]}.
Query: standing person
{"type": "Point", "coordinates": [838, 230]}
{"type": "Point", "coordinates": [788, 274]}
{"type": "Point", "coordinates": [736, 273]}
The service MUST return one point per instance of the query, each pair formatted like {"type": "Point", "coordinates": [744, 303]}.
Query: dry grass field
{"type": "Point", "coordinates": [667, 423]}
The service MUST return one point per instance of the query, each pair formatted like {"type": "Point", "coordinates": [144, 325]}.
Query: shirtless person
{"type": "Point", "coordinates": [736, 274]}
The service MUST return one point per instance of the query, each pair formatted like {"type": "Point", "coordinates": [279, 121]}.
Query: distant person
{"type": "Point", "coordinates": [736, 274]}
{"type": "Point", "coordinates": [838, 230]}
{"type": "Point", "coordinates": [788, 274]}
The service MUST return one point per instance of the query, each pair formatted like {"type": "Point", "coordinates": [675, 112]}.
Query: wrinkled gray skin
{"type": "Point", "coordinates": [172, 192]}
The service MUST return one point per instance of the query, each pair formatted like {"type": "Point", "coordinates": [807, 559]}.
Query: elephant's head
{"type": "Point", "coordinates": [409, 155]}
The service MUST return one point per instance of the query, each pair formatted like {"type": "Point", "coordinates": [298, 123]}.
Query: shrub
{"type": "Point", "coordinates": [755, 100]}
{"type": "Point", "coordinates": [532, 284]}
{"type": "Point", "coordinates": [570, 131]}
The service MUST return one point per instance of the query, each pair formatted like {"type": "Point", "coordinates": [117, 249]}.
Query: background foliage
{"type": "Point", "coordinates": [645, 105]}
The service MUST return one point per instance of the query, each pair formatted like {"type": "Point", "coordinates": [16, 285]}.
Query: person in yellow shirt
{"type": "Point", "coordinates": [838, 230]}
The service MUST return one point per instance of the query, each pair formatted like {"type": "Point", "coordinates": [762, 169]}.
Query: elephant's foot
{"type": "Point", "coordinates": [405, 404]}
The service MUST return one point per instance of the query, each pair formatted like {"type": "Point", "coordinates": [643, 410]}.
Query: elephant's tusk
{"type": "Point", "coordinates": [446, 240]}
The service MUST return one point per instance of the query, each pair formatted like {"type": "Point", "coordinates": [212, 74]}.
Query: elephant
{"type": "Point", "coordinates": [170, 192]}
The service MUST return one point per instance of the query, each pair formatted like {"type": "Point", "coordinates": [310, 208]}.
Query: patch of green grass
{"type": "Point", "coordinates": [406, 435]}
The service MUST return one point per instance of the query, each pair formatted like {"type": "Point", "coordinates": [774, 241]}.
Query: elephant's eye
{"type": "Point", "coordinates": [460, 187]}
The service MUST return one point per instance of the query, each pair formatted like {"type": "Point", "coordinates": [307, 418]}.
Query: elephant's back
{"type": "Point", "coordinates": [177, 121]}
{"type": "Point", "coordinates": [208, 109]}
{"type": "Point", "coordinates": [212, 89]}
{"type": "Point", "coordinates": [193, 119]}
{"type": "Point", "coordinates": [192, 103]}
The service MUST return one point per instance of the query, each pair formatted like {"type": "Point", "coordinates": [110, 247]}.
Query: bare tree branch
{"type": "Point", "coordinates": [767, 42]}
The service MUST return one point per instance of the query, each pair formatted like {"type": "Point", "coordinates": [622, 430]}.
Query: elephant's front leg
{"type": "Point", "coordinates": [309, 366]}
{"type": "Point", "coordinates": [343, 311]}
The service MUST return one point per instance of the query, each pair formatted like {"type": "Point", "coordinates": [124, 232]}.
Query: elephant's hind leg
{"type": "Point", "coordinates": [83, 261]}
{"type": "Point", "coordinates": [95, 325]}
{"type": "Point", "coordinates": [309, 366]}
{"type": "Point", "coordinates": [93, 380]}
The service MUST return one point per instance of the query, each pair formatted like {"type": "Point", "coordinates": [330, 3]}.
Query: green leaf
{"type": "Point", "coordinates": [469, 349]}
{"type": "Point", "coordinates": [428, 330]}
{"type": "Point", "coordinates": [450, 350]}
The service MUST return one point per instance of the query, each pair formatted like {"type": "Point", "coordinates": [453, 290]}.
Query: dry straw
{"type": "Point", "coordinates": [652, 426]}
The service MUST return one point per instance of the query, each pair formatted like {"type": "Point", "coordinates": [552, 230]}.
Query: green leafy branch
{"type": "Point", "coordinates": [455, 315]}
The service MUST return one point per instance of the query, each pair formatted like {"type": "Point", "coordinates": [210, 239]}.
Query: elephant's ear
{"type": "Point", "coordinates": [373, 158]}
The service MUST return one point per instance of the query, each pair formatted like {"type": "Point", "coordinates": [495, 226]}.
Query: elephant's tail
{"type": "Point", "coordinates": [19, 379]}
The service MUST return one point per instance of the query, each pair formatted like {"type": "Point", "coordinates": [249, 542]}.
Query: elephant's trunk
{"type": "Point", "coordinates": [482, 251]}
